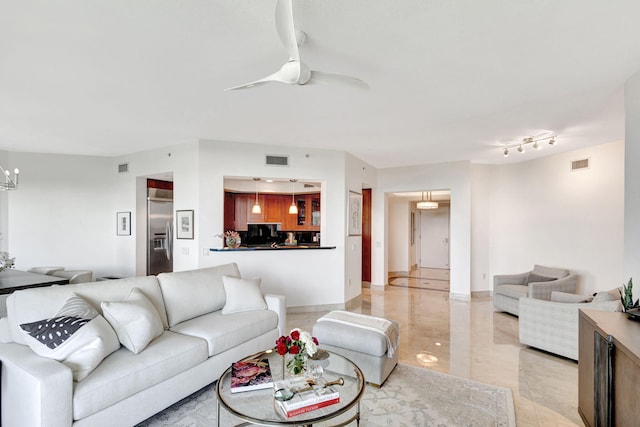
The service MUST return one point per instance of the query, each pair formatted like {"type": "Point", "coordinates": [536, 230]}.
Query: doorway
{"type": "Point", "coordinates": [425, 252]}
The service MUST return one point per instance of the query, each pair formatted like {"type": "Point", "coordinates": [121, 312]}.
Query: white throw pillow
{"type": "Point", "coordinates": [77, 336]}
{"type": "Point", "coordinates": [242, 295]}
{"type": "Point", "coordinates": [135, 320]}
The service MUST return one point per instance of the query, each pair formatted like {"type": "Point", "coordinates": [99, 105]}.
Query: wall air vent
{"type": "Point", "coordinates": [581, 164]}
{"type": "Point", "coordinates": [272, 160]}
{"type": "Point", "coordinates": [124, 167]}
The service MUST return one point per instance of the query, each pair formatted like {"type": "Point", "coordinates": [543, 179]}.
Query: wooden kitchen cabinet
{"type": "Point", "coordinates": [308, 212]}
{"type": "Point", "coordinates": [275, 210]}
{"type": "Point", "coordinates": [241, 212]}
{"type": "Point", "coordinates": [229, 212]}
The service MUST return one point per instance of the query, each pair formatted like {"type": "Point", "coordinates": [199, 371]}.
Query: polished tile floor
{"type": "Point", "coordinates": [471, 340]}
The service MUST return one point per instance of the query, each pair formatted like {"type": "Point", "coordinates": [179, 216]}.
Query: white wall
{"type": "Point", "coordinates": [481, 195]}
{"type": "Point", "coordinates": [315, 277]}
{"type": "Point", "coordinates": [454, 176]}
{"type": "Point", "coordinates": [64, 213]}
{"type": "Point", "coordinates": [399, 237]}
{"type": "Point", "coordinates": [542, 213]}
{"type": "Point", "coordinates": [632, 183]}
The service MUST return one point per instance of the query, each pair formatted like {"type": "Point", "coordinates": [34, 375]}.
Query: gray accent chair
{"type": "Point", "coordinates": [553, 325]}
{"type": "Point", "coordinates": [537, 283]}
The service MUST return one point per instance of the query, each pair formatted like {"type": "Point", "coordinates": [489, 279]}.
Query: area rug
{"type": "Point", "coordinates": [410, 397]}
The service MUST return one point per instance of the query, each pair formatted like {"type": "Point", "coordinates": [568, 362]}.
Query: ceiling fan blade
{"type": "Point", "coordinates": [333, 78]}
{"type": "Point", "coordinates": [275, 77]}
{"type": "Point", "coordinates": [285, 27]}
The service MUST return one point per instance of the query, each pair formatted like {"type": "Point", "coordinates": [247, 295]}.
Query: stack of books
{"type": "Point", "coordinates": [306, 398]}
{"type": "Point", "coordinates": [251, 375]}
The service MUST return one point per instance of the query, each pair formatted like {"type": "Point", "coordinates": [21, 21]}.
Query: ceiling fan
{"type": "Point", "coordinates": [294, 71]}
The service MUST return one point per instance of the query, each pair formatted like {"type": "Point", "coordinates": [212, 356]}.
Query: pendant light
{"type": "Point", "coordinates": [427, 204]}
{"type": "Point", "coordinates": [256, 209]}
{"type": "Point", "coordinates": [293, 209]}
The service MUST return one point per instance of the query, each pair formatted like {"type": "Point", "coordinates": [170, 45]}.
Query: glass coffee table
{"type": "Point", "coordinates": [258, 407]}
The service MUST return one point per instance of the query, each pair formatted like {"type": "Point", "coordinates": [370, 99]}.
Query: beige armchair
{"type": "Point", "coordinates": [553, 325]}
{"type": "Point", "coordinates": [537, 283]}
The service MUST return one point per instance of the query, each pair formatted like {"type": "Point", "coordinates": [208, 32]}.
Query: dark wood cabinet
{"type": "Point", "coordinates": [229, 212]}
{"type": "Point", "coordinates": [240, 214]}
{"type": "Point", "coordinates": [608, 369]}
{"type": "Point", "coordinates": [274, 209]}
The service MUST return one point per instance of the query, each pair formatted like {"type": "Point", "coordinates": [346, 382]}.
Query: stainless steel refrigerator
{"type": "Point", "coordinates": [159, 234]}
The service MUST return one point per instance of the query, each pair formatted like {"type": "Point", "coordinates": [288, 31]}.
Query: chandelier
{"type": "Point", "coordinates": [529, 140]}
{"type": "Point", "coordinates": [427, 204]}
{"type": "Point", "coordinates": [9, 183]}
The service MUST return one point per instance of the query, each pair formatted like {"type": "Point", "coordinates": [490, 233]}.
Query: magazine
{"type": "Point", "coordinates": [306, 398]}
{"type": "Point", "coordinates": [251, 375]}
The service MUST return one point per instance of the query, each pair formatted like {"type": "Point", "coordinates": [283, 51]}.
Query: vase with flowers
{"type": "Point", "coordinates": [295, 348]}
{"type": "Point", "coordinates": [6, 261]}
{"type": "Point", "coordinates": [231, 238]}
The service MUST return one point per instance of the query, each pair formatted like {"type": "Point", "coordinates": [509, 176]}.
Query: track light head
{"type": "Point", "coordinates": [520, 149]}
{"type": "Point", "coordinates": [552, 141]}
{"type": "Point", "coordinates": [536, 145]}
{"type": "Point", "coordinates": [506, 152]}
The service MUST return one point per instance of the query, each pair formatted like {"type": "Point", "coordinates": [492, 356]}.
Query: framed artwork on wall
{"type": "Point", "coordinates": [354, 219]}
{"type": "Point", "coordinates": [123, 223]}
{"type": "Point", "coordinates": [184, 224]}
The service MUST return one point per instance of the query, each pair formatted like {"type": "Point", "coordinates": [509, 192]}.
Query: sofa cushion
{"type": "Point", "coordinates": [78, 336]}
{"type": "Point", "coordinates": [29, 305]}
{"type": "Point", "coordinates": [223, 332]}
{"type": "Point", "coordinates": [557, 273]}
{"type": "Point", "coordinates": [188, 294]}
{"type": "Point", "coordinates": [123, 374]}
{"type": "Point", "coordinates": [533, 277]}
{"type": "Point", "coordinates": [135, 320]}
{"type": "Point", "coordinates": [512, 291]}
{"type": "Point", "coordinates": [242, 295]}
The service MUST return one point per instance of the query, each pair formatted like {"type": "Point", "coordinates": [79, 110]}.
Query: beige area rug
{"type": "Point", "coordinates": [410, 397]}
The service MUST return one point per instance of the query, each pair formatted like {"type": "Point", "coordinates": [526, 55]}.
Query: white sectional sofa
{"type": "Point", "coordinates": [206, 325]}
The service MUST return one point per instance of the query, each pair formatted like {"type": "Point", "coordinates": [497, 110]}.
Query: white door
{"type": "Point", "coordinates": [434, 237]}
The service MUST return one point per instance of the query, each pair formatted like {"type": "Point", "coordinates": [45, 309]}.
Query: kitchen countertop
{"type": "Point", "coordinates": [270, 248]}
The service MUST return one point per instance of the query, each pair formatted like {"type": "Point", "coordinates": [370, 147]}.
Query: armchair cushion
{"type": "Point", "coordinates": [610, 295]}
{"type": "Point", "coordinates": [533, 277]}
{"type": "Point", "coordinates": [569, 298]}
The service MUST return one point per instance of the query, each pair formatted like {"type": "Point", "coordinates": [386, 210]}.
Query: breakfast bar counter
{"type": "Point", "coordinates": [271, 248]}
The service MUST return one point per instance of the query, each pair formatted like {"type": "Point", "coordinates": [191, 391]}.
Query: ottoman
{"type": "Point", "coordinates": [369, 342]}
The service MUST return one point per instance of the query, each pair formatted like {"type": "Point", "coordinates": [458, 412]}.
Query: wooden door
{"type": "Point", "coordinates": [366, 234]}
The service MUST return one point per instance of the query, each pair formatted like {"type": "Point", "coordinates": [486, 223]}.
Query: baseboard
{"type": "Point", "coordinates": [459, 297]}
{"type": "Point", "coordinates": [481, 294]}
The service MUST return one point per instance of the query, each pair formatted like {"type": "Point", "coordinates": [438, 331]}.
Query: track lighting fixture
{"type": "Point", "coordinates": [534, 141]}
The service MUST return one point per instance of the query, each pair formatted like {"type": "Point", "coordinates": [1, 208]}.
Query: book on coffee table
{"type": "Point", "coordinates": [306, 398]}
{"type": "Point", "coordinates": [251, 375]}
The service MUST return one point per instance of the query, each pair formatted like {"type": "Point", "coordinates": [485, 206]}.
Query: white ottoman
{"type": "Point", "coordinates": [365, 347]}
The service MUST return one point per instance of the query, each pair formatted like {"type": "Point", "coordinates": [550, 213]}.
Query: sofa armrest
{"type": "Point", "coordinates": [36, 391]}
{"type": "Point", "coordinates": [278, 303]}
{"type": "Point", "coordinates": [509, 279]}
{"type": "Point", "coordinates": [542, 290]}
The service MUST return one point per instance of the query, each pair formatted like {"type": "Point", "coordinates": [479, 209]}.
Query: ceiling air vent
{"type": "Point", "coordinates": [272, 160]}
{"type": "Point", "coordinates": [581, 164]}
{"type": "Point", "coordinates": [124, 167]}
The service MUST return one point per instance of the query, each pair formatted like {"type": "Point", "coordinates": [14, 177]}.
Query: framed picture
{"type": "Point", "coordinates": [184, 224]}
{"type": "Point", "coordinates": [123, 223]}
{"type": "Point", "coordinates": [354, 220]}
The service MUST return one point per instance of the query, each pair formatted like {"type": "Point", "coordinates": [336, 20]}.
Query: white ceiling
{"type": "Point", "coordinates": [449, 80]}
